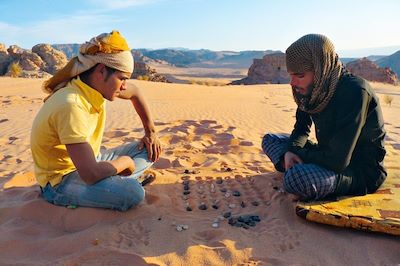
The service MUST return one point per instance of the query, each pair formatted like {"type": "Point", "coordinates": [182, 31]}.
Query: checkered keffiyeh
{"type": "Point", "coordinates": [315, 52]}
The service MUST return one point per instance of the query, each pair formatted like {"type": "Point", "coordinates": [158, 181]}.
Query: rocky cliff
{"type": "Point", "coordinates": [39, 62]}
{"type": "Point", "coordinates": [371, 71]}
{"type": "Point", "coordinates": [270, 69]}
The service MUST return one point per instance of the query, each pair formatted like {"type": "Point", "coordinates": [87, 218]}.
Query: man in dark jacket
{"type": "Point", "coordinates": [348, 156]}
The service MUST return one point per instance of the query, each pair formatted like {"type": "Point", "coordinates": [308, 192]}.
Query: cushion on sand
{"type": "Point", "coordinates": [378, 212]}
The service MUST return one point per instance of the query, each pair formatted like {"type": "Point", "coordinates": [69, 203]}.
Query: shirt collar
{"type": "Point", "coordinates": [91, 95]}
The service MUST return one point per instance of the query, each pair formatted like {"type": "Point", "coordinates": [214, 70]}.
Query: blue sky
{"type": "Point", "coordinates": [211, 24]}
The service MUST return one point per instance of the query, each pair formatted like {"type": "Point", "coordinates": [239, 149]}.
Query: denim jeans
{"type": "Point", "coordinates": [114, 192]}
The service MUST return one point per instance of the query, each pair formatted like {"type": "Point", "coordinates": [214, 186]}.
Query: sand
{"type": "Point", "coordinates": [202, 128]}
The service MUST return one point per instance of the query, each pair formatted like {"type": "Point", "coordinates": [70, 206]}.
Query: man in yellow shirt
{"type": "Point", "coordinates": [67, 132]}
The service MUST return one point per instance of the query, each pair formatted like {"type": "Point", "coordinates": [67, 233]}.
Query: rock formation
{"type": "Point", "coordinates": [144, 72]}
{"type": "Point", "coordinates": [54, 60]}
{"type": "Point", "coordinates": [371, 71]}
{"type": "Point", "coordinates": [270, 69]}
{"type": "Point", "coordinates": [42, 61]}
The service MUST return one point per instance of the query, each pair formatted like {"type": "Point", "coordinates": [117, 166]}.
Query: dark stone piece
{"type": "Point", "coordinates": [223, 190]}
{"type": "Point", "coordinates": [186, 192]}
{"type": "Point", "coordinates": [255, 203]}
{"type": "Point", "coordinates": [232, 221]}
{"type": "Point", "coordinates": [236, 193]}
{"type": "Point", "coordinates": [187, 171]}
{"type": "Point", "coordinates": [203, 207]}
{"type": "Point", "coordinates": [215, 206]}
{"type": "Point", "coordinates": [228, 169]}
{"type": "Point", "coordinates": [255, 218]}
{"type": "Point", "coordinates": [188, 209]}
{"type": "Point", "coordinates": [227, 214]}
{"type": "Point", "coordinates": [275, 187]}
{"type": "Point", "coordinates": [242, 204]}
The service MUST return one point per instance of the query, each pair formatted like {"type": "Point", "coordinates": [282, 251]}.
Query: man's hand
{"type": "Point", "coordinates": [130, 166]}
{"type": "Point", "coordinates": [291, 159]}
{"type": "Point", "coordinates": [153, 146]}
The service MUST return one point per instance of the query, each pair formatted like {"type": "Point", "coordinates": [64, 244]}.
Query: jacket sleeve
{"type": "Point", "coordinates": [351, 114]}
{"type": "Point", "coordinates": [301, 130]}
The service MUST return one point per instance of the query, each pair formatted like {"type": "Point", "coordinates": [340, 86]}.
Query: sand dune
{"type": "Point", "coordinates": [202, 128]}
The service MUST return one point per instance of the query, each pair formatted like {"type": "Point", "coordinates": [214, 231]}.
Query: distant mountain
{"type": "Point", "coordinates": [205, 58]}
{"type": "Point", "coordinates": [182, 57]}
{"type": "Point", "coordinates": [392, 61]}
{"type": "Point", "coordinates": [70, 50]}
{"type": "Point", "coordinates": [365, 52]}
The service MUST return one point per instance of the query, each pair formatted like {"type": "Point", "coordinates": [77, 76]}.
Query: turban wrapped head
{"type": "Point", "coordinates": [110, 49]}
{"type": "Point", "coordinates": [315, 52]}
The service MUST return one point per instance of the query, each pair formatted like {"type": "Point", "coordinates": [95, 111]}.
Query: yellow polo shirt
{"type": "Point", "coordinates": [74, 114]}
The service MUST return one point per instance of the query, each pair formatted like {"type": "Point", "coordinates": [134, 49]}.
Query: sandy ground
{"type": "Point", "coordinates": [202, 128]}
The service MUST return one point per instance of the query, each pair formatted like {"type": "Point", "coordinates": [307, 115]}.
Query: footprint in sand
{"type": "Point", "coordinates": [285, 238]}
{"type": "Point", "coordinates": [131, 234]}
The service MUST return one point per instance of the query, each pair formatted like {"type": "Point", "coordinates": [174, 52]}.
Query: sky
{"type": "Point", "coordinates": [356, 27]}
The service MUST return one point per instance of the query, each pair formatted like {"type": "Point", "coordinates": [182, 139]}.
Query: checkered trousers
{"type": "Point", "coordinates": [308, 181]}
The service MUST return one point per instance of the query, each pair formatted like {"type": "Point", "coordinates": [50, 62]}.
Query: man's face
{"type": "Point", "coordinates": [302, 83]}
{"type": "Point", "coordinates": [114, 83]}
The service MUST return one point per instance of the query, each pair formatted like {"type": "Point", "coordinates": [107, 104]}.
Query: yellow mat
{"type": "Point", "coordinates": [378, 212]}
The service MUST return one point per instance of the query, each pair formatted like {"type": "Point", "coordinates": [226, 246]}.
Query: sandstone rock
{"type": "Point", "coordinates": [371, 71]}
{"type": "Point", "coordinates": [5, 59]}
{"type": "Point", "coordinates": [270, 69]}
{"type": "Point", "coordinates": [143, 71]}
{"type": "Point", "coordinates": [54, 59]}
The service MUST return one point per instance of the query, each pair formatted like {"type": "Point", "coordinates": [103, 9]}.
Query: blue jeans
{"type": "Point", "coordinates": [114, 192]}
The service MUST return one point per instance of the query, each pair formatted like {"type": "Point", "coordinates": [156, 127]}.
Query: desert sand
{"type": "Point", "coordinates": [202, 128]}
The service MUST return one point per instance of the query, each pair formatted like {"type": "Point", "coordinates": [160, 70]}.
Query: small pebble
{"type": "Point", "coordinates": [187, 171]}
{"type": "Point", "coordinates": [95, 242]}
{"type": "Point", "coordinates": [185, 226]}
{"type": "Point", "coordinates": [236, 193]}
{"type": "Point", "coordinates": [189, 209]}
{"type": "Point", "coordinates": [275, 187]}
{"type": "Point", "coordinates": [232, 205]}
{"type": "Point", "coordinates": [255, 203]}
{"type": "Point", "coordinates": [203, 207]}
{"type": "Point", "coordinates": [227, 214]}
{"type": "Point", "coordinates": [179, 228]}
{"type": "Point", "coordinates": [186, 192]}
{"type": "Point", "coordinates": [223, 190]}
{"type": "Point", "coordinates": [186, 187]}
{"type": "Point", "coordinates": [227, 195]}
{"type": "Point", "coordinates": [215, 206]}
{"type": "Point", "coordinates": [215, 225]}
{"type": "Point", "coordinates": [242, 204]}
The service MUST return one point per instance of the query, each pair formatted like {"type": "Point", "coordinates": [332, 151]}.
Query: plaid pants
{"type": "Point", "coordinates": [308, 181]}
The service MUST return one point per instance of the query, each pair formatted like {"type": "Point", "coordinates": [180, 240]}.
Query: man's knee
{"type": "Point", "coordinates": [266, 141]}
{"type": "Point", "coordinates": [297, 183]}
{"type": "Point", "coordinates": [131, 198]}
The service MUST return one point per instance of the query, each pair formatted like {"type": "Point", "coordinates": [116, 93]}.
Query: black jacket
{"type": "Point", "coordinates": [350, 137]}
